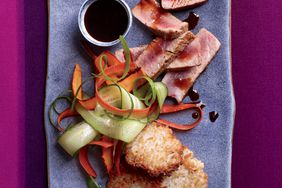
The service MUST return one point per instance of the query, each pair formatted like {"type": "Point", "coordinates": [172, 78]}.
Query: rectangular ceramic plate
{"type": "Point", "coordinates": [211, 142]}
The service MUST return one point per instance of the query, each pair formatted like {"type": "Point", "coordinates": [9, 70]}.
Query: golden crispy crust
{"type": "Point", "coordinates": [155, 149]}
{"type": "Point", "coordinates": [189, 175]}
{"type": "Point", "coordinates": [132, 178]}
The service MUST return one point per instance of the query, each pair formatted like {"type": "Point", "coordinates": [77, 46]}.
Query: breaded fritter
{"type": "Point", "coordinates": [155, 149]}
{"type": "Point", "coordinates": [189, 175]}
{"type": "Point", "coordinates": [132, 178]}
{"type": "Point", "coordinates": [128, 180]}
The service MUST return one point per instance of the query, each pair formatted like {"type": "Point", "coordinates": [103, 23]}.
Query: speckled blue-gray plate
{"type": "Point", "coordinates": [211, 142]}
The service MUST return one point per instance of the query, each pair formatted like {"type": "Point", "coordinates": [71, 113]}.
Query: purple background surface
{"type": "Point", "coordinates": [257, 54]}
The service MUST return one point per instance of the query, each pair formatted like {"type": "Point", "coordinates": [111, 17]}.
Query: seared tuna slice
{"type": "Point", "coordinates": [162, 23]}
{"type": "Point", "coordinates": [181, 4]}
{"type": "Point", "coordinates": [160, 53]}
{"type": "Point", "coordinates": [189, 57]}
{"type": "Point", "coordinates": [178, 83]}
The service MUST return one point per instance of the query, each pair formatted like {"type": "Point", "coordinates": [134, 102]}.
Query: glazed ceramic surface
{"type": "Point", "coordinates": [211, 142]}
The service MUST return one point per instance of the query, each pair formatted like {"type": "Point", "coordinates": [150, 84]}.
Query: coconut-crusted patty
{"type": "Point", "coordinates": [132, 178]}
{"type": "Point", "coordinates": [189, 175]}
{"type": "Point", "coordinates": [155, 149]}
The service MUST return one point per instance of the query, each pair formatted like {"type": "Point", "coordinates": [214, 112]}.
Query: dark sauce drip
{"type": "Point", "coordinates": [202, 106]}
{"type": "Point", "coordinates": [213, 116]}
{"type": "Point", "coordinates": [193, 94]}
{"type": "Point", "coordinates": [195, 115]}
{"type": "Point", "coordinates": [106, 20]}
{"type": "Point", "coordinates": [192, 20]}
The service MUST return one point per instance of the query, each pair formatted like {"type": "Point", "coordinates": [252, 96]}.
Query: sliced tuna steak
{"type": "Point", "coordinates": [178, 83]}
{"type": "Point", "coordinates": [184, 60]}
{"type": "Point", "coordinates": [160, 53]}
{"type": "Point", "coordinates": [135, 53]}
{"type": "Point", "coordinates": [190, 56]}
{"type": "Point", "coordinates": [162, 23]}
{"type": "Point", "coordinates": [181, 4]}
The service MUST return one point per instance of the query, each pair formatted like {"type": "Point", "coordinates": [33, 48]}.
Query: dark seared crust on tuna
{"type": "Point", "coordinates": [155, 150]}
{"type": "Point", "coordinates": [169, 33]}
{"type": "Point", "coordinates": [160, 53]}
{"type": "Point", "coordinates": [160, 22]}
{"type": "Point", "coordinates": [181, 4]}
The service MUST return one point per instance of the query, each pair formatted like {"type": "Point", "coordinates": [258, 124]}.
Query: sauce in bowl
{"type": "Point", "coordinates": [103, 21]}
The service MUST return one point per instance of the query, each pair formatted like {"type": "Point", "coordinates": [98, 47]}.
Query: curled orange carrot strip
{"type": "Point", "coordinates": [84, 162]}
{"type": "Point", "coordinates": [76, 82]}
{"type": "Point", "coordinates": [170, 108]}
{"type": "Point", "coordinates": [83, 156]}
{"type": "Point", "coordinates": [182, 127]}
{"type": "Point", "coordinates": [118, 152]}
{"type": "Point", "coordinates": [89, 104]}
{"type": "Point", "coordinates": [128, 82]}
{"type": "Point", "coordinates": [66, 113]}
{"type": "Point", "coordinates": [112, 60]}
{"type": "Point", "coordinates": [104, 144]}
{"type": "Point", "coordinates": [107, 154]}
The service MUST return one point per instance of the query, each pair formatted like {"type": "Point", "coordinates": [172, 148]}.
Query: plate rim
{"type": "Point", "coordinates": [233, 100]}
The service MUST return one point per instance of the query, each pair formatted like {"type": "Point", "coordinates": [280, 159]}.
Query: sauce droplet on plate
{"type": "Point", "coordinates": [195, 115]}
{"type": "Point", "coordinates": [202, 106]}
{"type": "Point", "coordinates": [192, 20]}
{"type": "Point", "coordinates": [213, 116]}
{"type": "Point", "coordinates": [193, 94]}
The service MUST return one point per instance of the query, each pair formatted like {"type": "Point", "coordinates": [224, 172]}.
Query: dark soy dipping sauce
{"type": "Point", "coordinates": [213, 116]}
{"type": "Point", "coordinates": [106, 20]}
{"type": "Point", "coordinates": [192, 20]}
{"type": "Point", "coordinates": [193, 94]}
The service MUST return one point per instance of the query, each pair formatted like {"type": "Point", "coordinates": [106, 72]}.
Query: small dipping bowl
{"type": "Point", "coordinates": [101, 22]}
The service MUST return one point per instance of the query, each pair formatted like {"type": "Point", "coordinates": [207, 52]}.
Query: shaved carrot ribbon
{"type": "Point", "coordinates": [84, 162]}
{"type": "Point", "coordinates": [76, 82]}
{"type": "Point", "coordinates": [112, 60]}
{"type": "Point", "coordinates": [128, 82]}
{"type": "Point", "coordinates": [107, 154]}
{"type": "Point", "coordinates": [83, 156]}
{"type": "Point", "coordinates": [170, 108]}
{"type": "Point", "coordinates": [66, 113]}
{"type": "Point", "coordinates": [180, 107]}
{"type": "Point", "coordinates": [104, 144]}
{"type": "Point", "coordinates": [118, 152]}
{"type": "Point", "coordinates": [89, 104]}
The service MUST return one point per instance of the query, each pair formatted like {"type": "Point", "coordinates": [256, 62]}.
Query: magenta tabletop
{"type": "Point", "coordinates": [257, 78]}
